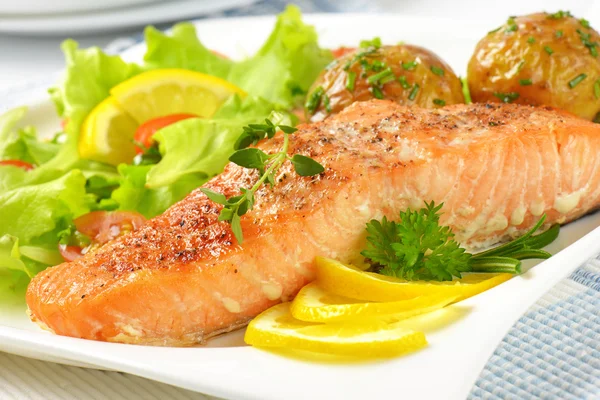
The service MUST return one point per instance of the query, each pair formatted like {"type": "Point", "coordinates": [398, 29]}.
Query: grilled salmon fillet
{"type": "Point", "coordinates": [183, 278]}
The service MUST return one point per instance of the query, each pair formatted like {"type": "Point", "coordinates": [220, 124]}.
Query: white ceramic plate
{"type": "Point", "coordinates": [461, 337]}
{"type": "Point", "coordinates": [107, 17]}
{"type": "Point", "coordinates": [37, 7]}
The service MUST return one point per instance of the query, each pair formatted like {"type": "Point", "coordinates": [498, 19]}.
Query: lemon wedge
{"type": "Point", "coordinates": [276, 327]}
{"type": "Point", "coordinates": [163, 92]}
{"type": "Point", "coordinates": [107, 134]}
{"type": "Point", "coordinates": [313, 304]}
{"type": "Point", "coordinates": [349, 281]}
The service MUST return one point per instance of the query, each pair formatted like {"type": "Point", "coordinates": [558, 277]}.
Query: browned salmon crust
{"type": "Point", "coordinates": [182, 277]}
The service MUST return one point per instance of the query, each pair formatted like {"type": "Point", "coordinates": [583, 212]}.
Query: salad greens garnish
{"type": "Point", "coordinates": [37, 205]}
{"type": "Point", "coordinates": [266, 164]}
{"type": "Point", "coordinates": [419, 248]}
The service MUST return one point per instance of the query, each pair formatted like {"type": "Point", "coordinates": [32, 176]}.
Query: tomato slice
{"type": "Point", "coordinates": [18, 163]}
{"type": "Point", "coordinates": [103, 226]}
{"type": "Point", "coordinates": [70, 253]}
{"type": "Point", "coordinates": [100, 227]}
{"type": "Point", "coordinates": [342, 51]}
{"type": "Point", "coordinates": [146, 131]}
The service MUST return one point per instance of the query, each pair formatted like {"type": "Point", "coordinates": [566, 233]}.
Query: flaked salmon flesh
{"type": "Point", "coordinates": [183, 278]}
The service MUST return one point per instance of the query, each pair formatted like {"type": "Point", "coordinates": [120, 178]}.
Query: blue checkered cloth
{"type": "Point", "coordinates": [553, 351]}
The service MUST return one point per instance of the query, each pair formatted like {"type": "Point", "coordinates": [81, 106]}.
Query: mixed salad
{"type": "Point", "coordinates": [114, 162]}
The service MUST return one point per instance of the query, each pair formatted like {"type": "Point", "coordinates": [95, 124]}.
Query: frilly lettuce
{"type": "Point", "coordinates": [291, 59]}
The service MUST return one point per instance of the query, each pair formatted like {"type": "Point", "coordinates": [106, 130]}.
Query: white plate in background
{"type": "Point", "coordinates": [461, 337]}
{"type": "Point", "coordinates": [110, 18]}
{"type": "Point", "coordinates": [38, 7]}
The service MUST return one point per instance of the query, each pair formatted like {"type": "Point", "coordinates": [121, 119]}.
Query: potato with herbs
{"type": "Point", "coordinates": [539, 59]}
{"type": "Point", "coordinates": [408, 75]}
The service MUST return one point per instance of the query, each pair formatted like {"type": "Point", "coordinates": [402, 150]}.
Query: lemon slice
{"type": "Point", "coordinates": [163, 92]}
{"type": "Point", "coordinates": [276, 327]}
{"type": "Point", "coordinates": [313, 304]}
{"type": "Point", "coordinates": [107, 134]}
{"type": "Point", "coordinates": [349, 281]}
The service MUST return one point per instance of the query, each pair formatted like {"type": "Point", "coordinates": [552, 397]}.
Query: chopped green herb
{"type": "Point", "coordinates": [387, 79]}
{"type": "Point", "coordinates": [418, 247]}
{"type": "Point", "coordinates": [585, 23]}
{"type": "Point", "coordinates": [409, 66]}
{"type": "Point", "coordinates": [586, 40]}
{"type": "Point", "coordinates": [403, 82]}
{"type": "Point", "coordinates": [327, 103]}
{"type": "Point", "coordinates": [577, 80]}
{"type": "Point", "coordinates": [351, 80]}
{"type": "Point", "coordinates": [437, 70]}
{"type": "Point", "coordinates": [512, 25]}
{"type": "Point", "coordinates": [413, 92]}
{"type": "Point", "coordinates": [314, 100]}
{"type": "Point", "coordinates": [465, 90]}
{"type": "Point", "coordinates": [379, 76]}
{"type": "Point", "coordinates": [375, 42]}
{"type": "Point", "coordinates": [507, 97]}
{"type": "Point", "coordinates": [267, 165]}
{"type": "Point", "coordinates": [378, 65]}
{"type": "Point", "coordinates": [597, 89]}
{"type": "Point", "coordinates": [525, 82]}
{"type": "Point", "coordinates": [439, 102]}
{"type": "Point", "coordinates": [531, 40]}
{"type": "Point", "coordinates": [377, 92]}
{"type": "Point", "coordinates": [548, 50]}
{"type": "Point", "coordinates": [559, 15]}
{"type": "Point", "coordinates": [558, 34]}
{"type": "Point", "coordinates": [495, 30]}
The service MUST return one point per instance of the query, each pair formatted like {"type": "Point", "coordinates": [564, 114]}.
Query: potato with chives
{"type": "Point", "coordinates": [406, 74]}
{"type": "Point", "coordinates": [539, 59]}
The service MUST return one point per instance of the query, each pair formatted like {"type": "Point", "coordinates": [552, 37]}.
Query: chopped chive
{"type": "Point", "coordinates": [404, 82]}
{"type": "Point", "coordinates": [387, 79]}
{"type": "Point", "coordinates": [531, 40]}
{"type": "Point", "coordinates": [548, 50]}
{"type": "Point", "coordinates": [558, 34]}
{"type": "Point", "coordinates": [351, 80]}
{"type": "Point", "coordinates": [559, 14]}
{"type": "Point", "coordinates": [593, 51]}
{"type": "Point", "coordinates": [439, 102]}
{"type": "Point", "coordinates": [585, 39]}
{"type": "Point", "coordinates": [512, 25]}
{"type": "Point", "coordinates": [315, 99]}
{"type": "Point", "coordinates": [597, 89]}
{"type": "Point", "coordinates": [495, 30]}
{"type": "Point", "coordinates": [577, 80]}
{"type": "Point", "coordinates": [525, 82]}
{"type": "Point", "coordinates": [507, 97]}
{"type": "Point", "coordinates": [584, 22]}
{"type": "Point", "coordinates": [413, 92]}
{"type": "Point", "coordinates": [378, 65]}
{"type": "Point", "coordinates": [327, 103]}
{"type": "Point", "coordinates": [409, 66]}
{"type": "Point", "coordinates": [377, 92]}
{"type": "Point", "coordinates": [377, 77]}
{"type": "Point", "coordinates": [437, 70]}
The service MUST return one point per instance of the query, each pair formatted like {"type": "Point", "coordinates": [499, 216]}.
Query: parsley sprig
{"type": "Point", "coordinates": [266, 164]}
{"type": "Point", "coordinates": [419, 248]}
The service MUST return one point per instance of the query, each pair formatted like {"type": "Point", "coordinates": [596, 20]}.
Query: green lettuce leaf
{"type": "Point", "coordinates": [29, 212]}
{"type": "Point", "coordinates": [133, 194]}
{"type": "Point", "coordinates": [291, 59]}
{"type": "Point", "coordinates": [25, 146]}
{"type": "Point", "coordinates": [198, 149]}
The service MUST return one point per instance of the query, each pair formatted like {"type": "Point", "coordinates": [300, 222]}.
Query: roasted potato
{"type": "Point", "coordinates": [409, 75]}
{"type": "Point", "coordinates": [549, 59]}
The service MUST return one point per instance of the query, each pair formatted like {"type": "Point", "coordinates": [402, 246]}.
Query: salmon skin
{"type": "Point", "coordinates": [183, 278]}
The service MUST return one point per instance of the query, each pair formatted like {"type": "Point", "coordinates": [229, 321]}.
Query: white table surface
{"type": "Point", "coordinates": [26, 58]}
